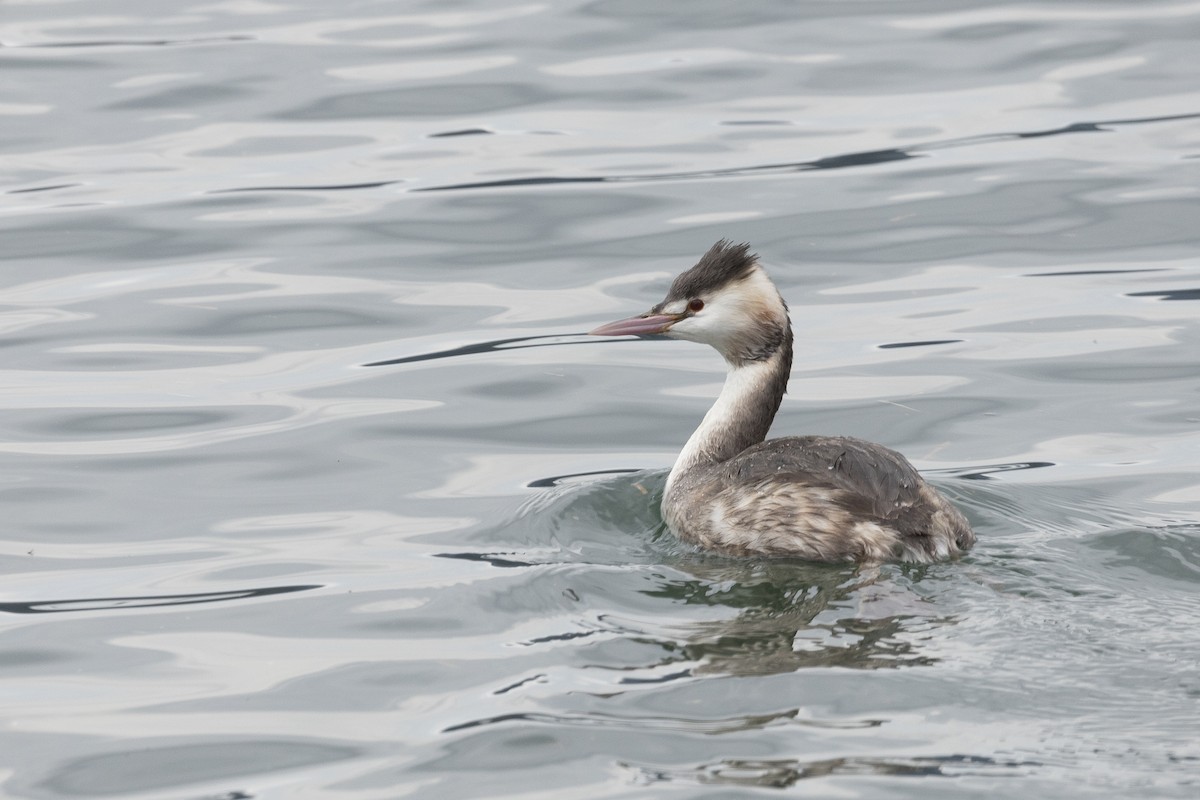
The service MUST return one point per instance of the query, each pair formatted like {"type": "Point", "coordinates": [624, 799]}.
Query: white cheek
{"type": "Point", "coordinates": [712, 326]}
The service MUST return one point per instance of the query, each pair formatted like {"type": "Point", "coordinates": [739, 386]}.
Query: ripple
{"type": "Point", "coordinates": [432, 100]}
{"type": "Point", "coordinates": [983, 219]}
{"type": "Point", "coordinates": [1172, 553]}
{"type": "Point", "coordinates": [154, 765]}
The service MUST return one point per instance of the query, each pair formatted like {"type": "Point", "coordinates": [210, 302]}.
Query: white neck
{"type": "Point", "coordinates": [738, 419]}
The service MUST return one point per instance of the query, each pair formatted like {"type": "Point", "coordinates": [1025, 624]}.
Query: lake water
{"type": "Point", "coordinates": [241, 563]}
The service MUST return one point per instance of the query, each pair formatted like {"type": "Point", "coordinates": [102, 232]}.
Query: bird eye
{"type": "Point", "coordinates": [695, 305]}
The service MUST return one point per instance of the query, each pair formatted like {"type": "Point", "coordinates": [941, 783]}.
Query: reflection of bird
{"type": "Point", "coordinates": [822, 498]}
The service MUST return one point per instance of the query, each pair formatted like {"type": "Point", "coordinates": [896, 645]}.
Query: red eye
{"type": "Point", "coordinates": [695, 305]}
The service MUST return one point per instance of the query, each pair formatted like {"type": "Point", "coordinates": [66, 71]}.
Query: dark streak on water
{"type": "Point", "coordinates": [346, 187]}
{"type": "Point", "coordinates": [496, 345]}
{"type": "Point", "coordinates": [486, 558]}
{"type": "Point", "coordinates": [985, 473]}
{"type": "Point", "coordinates": [1172, 294]}
{"type": "Point", "coordinates": [125, 43]}
{"type": "Point", "coordinates": [144, 601]}
{"type": "Point", "coordinates": [926, 343]}
{"type": "Point", "coordinates": [847, 160]}
{"type": "Point", "coordinates": [463, 132]}
{"type": "Point", "coordinates": [559, 480]}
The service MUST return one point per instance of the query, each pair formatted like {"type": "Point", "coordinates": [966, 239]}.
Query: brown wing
{"type": "Point", "coordinates": [879, 481]}
{"type": "Point", "coordinates": [868, 481]}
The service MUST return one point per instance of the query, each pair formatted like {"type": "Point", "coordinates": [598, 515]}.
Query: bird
{"type": "Point", "coordinates": [817, 498]}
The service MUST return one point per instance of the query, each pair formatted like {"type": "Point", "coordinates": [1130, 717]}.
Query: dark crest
{"type": "Point", "coordinates": [724, 263]}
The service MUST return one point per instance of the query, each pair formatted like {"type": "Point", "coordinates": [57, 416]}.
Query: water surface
{"type": "Point", "coordinates": [312, 487]}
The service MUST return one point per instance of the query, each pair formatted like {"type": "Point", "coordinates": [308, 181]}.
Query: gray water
{"type": "Point", "coordinates": [240, 562]}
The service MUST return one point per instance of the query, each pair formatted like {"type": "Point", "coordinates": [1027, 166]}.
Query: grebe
{"type": "Point", "coordinates": [821, 498]}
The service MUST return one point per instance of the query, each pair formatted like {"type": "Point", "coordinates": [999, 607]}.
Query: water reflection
{"type": "Point", "coordinates": [785, 772]}
{"type": "Point", "coordinates": [795, 616]}
{"type": "Point", "coordinates": [748, 617]}
{"type": "Point", "coordinates": [647, 722]}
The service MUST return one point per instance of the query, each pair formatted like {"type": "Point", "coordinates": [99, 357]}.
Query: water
{"type": "Point", "coordinates": [241, 563]}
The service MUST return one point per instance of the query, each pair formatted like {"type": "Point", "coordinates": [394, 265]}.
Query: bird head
{"type": "Point", "coordinates": [726, 301]}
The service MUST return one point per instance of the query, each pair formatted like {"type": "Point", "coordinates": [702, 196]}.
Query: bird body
{"type": "Point", "coordinates": [821, 498]}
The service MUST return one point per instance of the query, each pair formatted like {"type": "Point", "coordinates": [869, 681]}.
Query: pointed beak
{"type": "Point", "coordinates": [645, 324]}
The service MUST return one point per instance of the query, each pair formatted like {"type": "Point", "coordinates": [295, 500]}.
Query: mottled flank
{"type": "Point", "coordinates": [814, 497]}
{"type": "Point", "coordinates": [818, 498]}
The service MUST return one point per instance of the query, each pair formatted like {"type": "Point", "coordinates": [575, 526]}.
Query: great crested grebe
{"type": "Point", "coordinates": [821, 498]}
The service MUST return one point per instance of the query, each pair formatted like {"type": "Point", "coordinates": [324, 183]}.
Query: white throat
{"type": "Point", "coordinates": [746, 388]}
